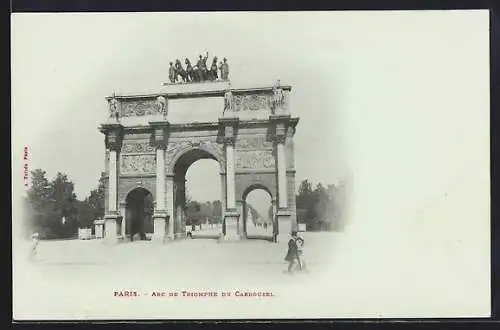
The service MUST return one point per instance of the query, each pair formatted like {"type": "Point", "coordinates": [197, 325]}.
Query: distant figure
{"type": "Point", "coordinates": [171, 73]}
{"type": "Point", "coordinates": [224, 70]}
{"type": "Point", "coordinates": [35, 239]}
{"type": "Point", "coordinates": [292, 255]}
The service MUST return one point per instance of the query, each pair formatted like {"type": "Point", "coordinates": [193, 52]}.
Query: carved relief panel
{"type": "Point", "coordinates": [255, 159]}
{"type": "Point", "coordinates": [253, 142]}
{"type": "Point", "coordinates": [252, 102]}
{"type": "Point", "coordinates": [144, 107]}
{"type": "Point", "coordinates": [276, 101]}
{"type": "Point", "coordinates": [138, 164]}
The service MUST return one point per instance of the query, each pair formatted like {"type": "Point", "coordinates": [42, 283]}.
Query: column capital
{"type": "Point", "coordinates": [279, 138]}
{"type": "Point", "coordinates": [113, 135]}
{"type": "Point", "coordinates": [229, 141]}
{"type": "Point", "coordinates": [283, 124]}
{"type": "Point", "coordinates": [159, 133]}
{"type": "Point", "coordinates": [229, 127]}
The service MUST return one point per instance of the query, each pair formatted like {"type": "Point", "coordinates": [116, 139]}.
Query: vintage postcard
{"type": "Point", "coordinates": [260, 165]}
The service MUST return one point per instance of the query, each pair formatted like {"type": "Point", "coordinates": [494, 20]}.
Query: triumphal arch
{"type": "Point", "coordinates": [152, 139]}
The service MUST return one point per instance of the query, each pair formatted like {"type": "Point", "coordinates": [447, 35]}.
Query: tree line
{"type": "Point", "coordinates": [53, 210]}
{"type": "Point", "coordinates": [322, 208]}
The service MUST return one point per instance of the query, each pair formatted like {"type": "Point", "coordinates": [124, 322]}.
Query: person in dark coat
{"type": "Point", "coordinates": [292, 255]}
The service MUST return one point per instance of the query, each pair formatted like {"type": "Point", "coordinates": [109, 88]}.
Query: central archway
{"type": "Point", "coordinates": [187, 223]}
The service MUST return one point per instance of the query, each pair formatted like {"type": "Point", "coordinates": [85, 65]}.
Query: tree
{"type": "Point", "coordinates": [321, 208]}
{"type": "Point", "coordinates": [193, 213]}
{"type": "Point", "coordinates": [95, 204]}
{"type": "Point", "coordinates": [216, 212]}
{"type": "Point", "coordinates": [65, 206]}
{"type": "Point", "coordinates": [51, 202]}
{"type": "Point", "coordinates": [38, 202]}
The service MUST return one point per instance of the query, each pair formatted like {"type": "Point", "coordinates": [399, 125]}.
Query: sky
{"type": "Point", "coordinates": [66, 64]}
{"type": "Point", "coordinates": [376, 92]}
{"type": "Point", "coordinates": [396, 102]}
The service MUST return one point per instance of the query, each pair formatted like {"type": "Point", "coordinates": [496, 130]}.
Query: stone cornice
{"type": "Point", "coordinates": [213, 125]}
{"type": "Point", "coordinates": [220, 91]}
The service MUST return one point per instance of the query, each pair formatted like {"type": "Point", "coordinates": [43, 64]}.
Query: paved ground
{"type": "Point", "coordinates": [78, 272]}
{"type": "Point", "coordinates": [357, 274]}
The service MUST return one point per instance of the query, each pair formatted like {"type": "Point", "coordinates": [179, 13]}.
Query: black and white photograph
{"type": "Point", "coordinates": [250, 165]}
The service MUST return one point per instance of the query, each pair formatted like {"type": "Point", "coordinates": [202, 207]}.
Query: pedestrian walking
{"type": "Point", "coordinates": [292, 256]}
{"type": "Point", "coordinates": [35, 239]}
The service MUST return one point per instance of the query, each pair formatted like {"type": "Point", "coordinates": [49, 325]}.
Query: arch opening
{"type": "Point", "coordinates": [139, 214]}
{"type": "Point", "coordinates": [198, 192]}
{"type": "Point", "coordinates": [258, 213]}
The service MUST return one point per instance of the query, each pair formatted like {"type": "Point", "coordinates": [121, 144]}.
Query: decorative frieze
{"type": "Point", "coordinates": [255, 159]}
{"type": "Point", "coordinates": [252, 102]}
{"type": "Point", "coordinates": [137, 147]}
{"type": "Point", "coordinates": [144, 107]}
{"type": "Point", "coordinates": [276, 101]}
{"type": "Point", "coordinates": [256, 142]}
{"type": "Point", "coordinates": [138, 164]}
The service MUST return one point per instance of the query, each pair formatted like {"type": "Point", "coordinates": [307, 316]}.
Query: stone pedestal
{"type": "Point", "coordinates": [110, 228]}
{"type": "Point", "coordinates": [159, 227]}
{"type": "Point", "coordinates": [99, 228]}
{"type": "Point", "coordinates": [240, 205]}
{"type": "Point", "coordinates": [284, 218]}
{"type": "Point", "coordinates": [230, 232]}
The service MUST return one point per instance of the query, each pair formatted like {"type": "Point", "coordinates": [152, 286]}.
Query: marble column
{"type": "Point", "coordinates": [231, 216]}
{"type": "Point", "coordinates": [170, 207]}
{"type": "Point", "coordinates": [283, 214]}
{"type": "Point", "coordinates": [230, 176]}
{"type": "Point", "coordinates": [110, 225]}
{"type": "Point", "coordinates": [223, 201]}
{"type": "Point", "coordinates": [160, 215]}
{"type": "Point", "coordinates": [113, 132]}
{"type": "Point", "coordinates": [123, 223]}
{"type": "Point", "coordinates": [240, 206]}
{"type": "Point", "coordinates": [282, 189]}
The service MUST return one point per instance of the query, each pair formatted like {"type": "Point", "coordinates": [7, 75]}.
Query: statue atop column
{"type": "Point", "coordinates": [162, 106]}
{"type": "Point", "coordinates": [228, 100]}
{"type": "Point", "coordinates": [278, 96]}
{"type": "Point", "coordinates": [114, 111]}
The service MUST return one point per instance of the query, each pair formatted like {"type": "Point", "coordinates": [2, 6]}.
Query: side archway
{"type": "Point", "coordinates": [139, 208]}
{"type": "Point", "coordinates": [257, 210]}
